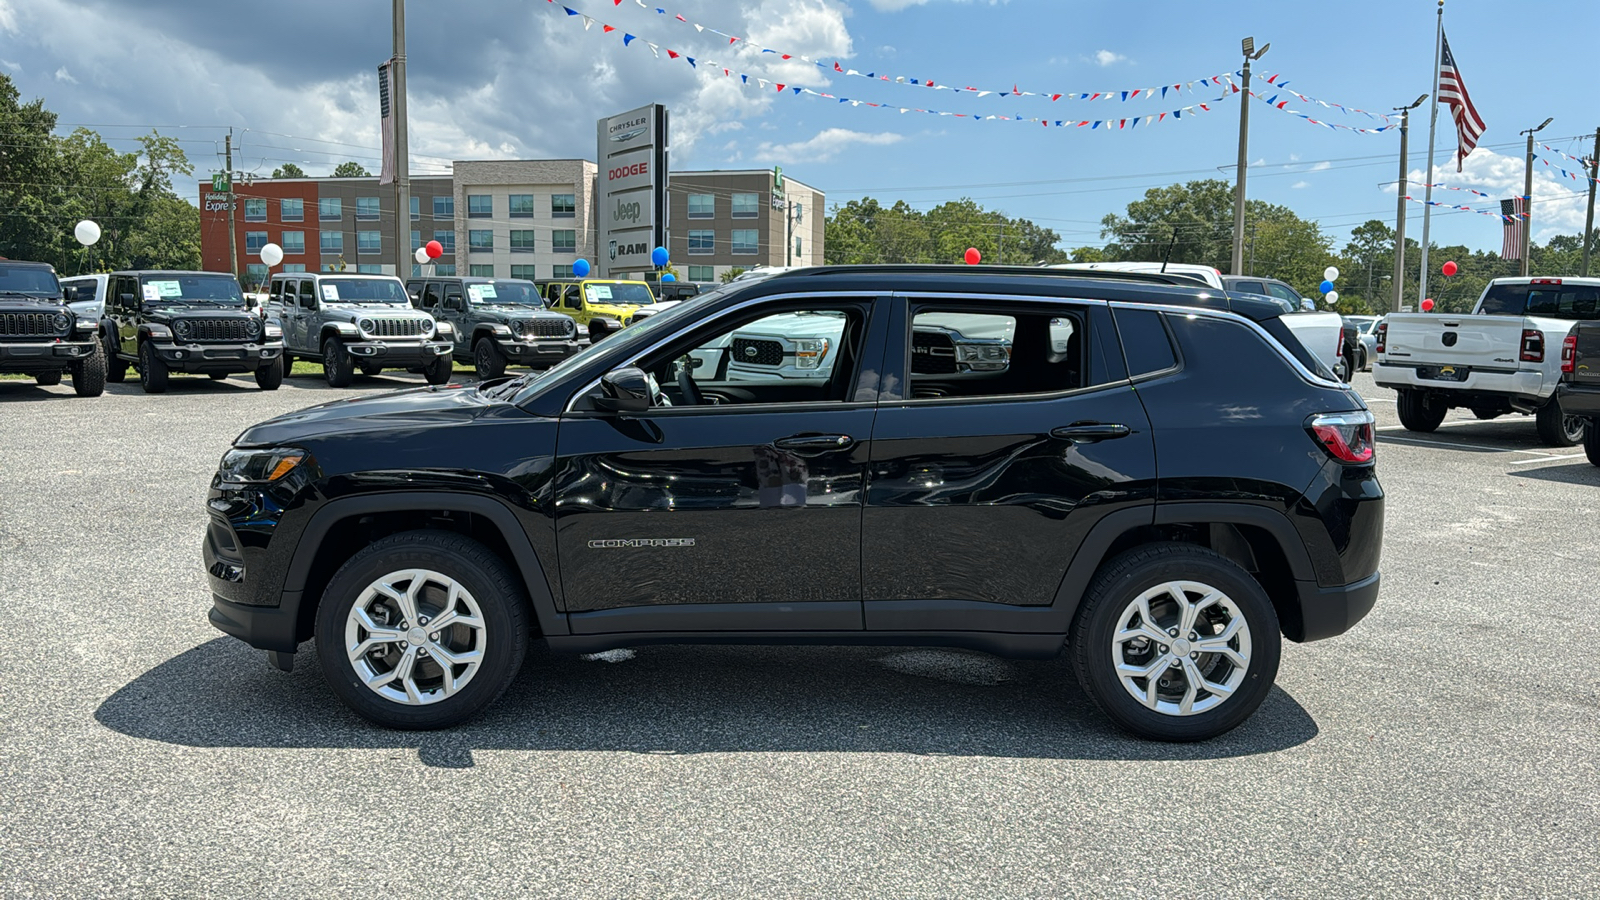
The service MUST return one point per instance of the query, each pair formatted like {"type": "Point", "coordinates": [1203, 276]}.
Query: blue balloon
{"type": "Point", "coordinates": [581, 268]}
{"type": "Point", "coordinates": [658, 257]}
{"type": "Point", "coordinates": [669, 277]}
{"type": "Point", "coordinates": [1325, 287]}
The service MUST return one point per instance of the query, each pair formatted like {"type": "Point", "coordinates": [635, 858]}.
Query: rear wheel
{"type": "Point", "coordinates": [116, 368]}
{"type": "Point", "coordinates": [288, 365]}
{"type": "Point", "coordinates": [89, 374]}
{"type": "Point", "coordinates": [1175, 643]}
{"type": "Point", "coordinates": [1591, 444]}
{"type": "Point", "coordinates": [1556, 428]}
{"type": "Point", "coordinates": [48, 379]}
{"type": "Point", "coordinates": [487, 359]}
{"type": "Point", "coordinates": [217, 376]}
{"type": "Point", "coordinates": [422, 630]}
{"type": "Point", "coordinates": [1418, 412]}
{"type": "Point", "coordinates": [337, 365]}
{"type": "Point", "coordinates": [1485, 413]}
{"type": "Point", "coordinates": [152, 370]}
{"type": "Point", "coordinates": [270, 376]}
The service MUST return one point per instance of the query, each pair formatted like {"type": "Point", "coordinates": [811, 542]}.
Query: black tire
{"type": "Point", "coordinates": [596, 332]}
{"type": "Point", "coordinates": [440, 370]}
{"type": "Point", "coordinates": [217, 376]}
{"type": "Point", "coordinates": [1484, 413]}
{"type": "Point", "coordinates": [116, 367]}
{"type": "Point", "coordinates": [270, 376]}
{"type": "Point", "coordinates": [152, 370]}
{"type": "Point", "coordinates": [48, 379]}
{"type": "Point", "coordinates": [487, 359]}
{"type": "Point", "coordinates": [1118, 584]}
{"type": "Point", "coordinates": [89, 374]}
{"type": "Point", "coordinates": [1556, 428]}
{"type": "Point", "coordinates": [1591, 444]}
{"type": "Point", "coordinates": [337, 364]}
{"type": "Point", "coordinates": [1418, 413]}
{"type": "Point", "coordinates": [288, 365]}
{"type": "Point", "coordinates": [500, 598]}
{"type": "Point", "coordinates": [369, 368]}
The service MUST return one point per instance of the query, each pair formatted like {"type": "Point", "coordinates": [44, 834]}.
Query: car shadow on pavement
{"type": "Point", "coordinates": [687, 700]}
{"type": "Point", "coordinates": [1583, 473]}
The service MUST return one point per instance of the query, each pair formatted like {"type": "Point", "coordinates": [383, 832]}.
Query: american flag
{"type": "Point", "coordinates": [1514, 212]}
{"type": "Point", "coordinates": [1453, 93]}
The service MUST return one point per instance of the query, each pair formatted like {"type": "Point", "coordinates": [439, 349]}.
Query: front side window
{"type": "Point", "coordinates": [702, 206]}
{"type": "Point", "coordinates": [563, 206]}
{"type": "Point", "coordinates": [444, 207]}
{"type": "Point", "coordinates": [480, 240]}
{"type": "Point", "coordinates": [480, 206]}
{"type": "Point", "coordinates": [988, 350]}
{"type": "Point", "coordinates": [369, 241]}
{"type": "Point", "coordinates": [331, 241]}
{"type": "Point", "coordinates": [564, 240]}
{"type": "Point", "coordinates": [330, 209]}
{"type": "Point", "coordinates": [702, 241]}
{"type": "Point", "coordinates": [255, 209]}
{"type": "Point", "coordinates": [746, 206]}
{"type": "Point", "coordinates": [292, 210]}
{"type": "Point", "coordinates": [254, 241]}
{"type": "Point", "coordinates": [294, 242]}
{"type": "Point", "coordinates": [521, 206]}
{"type": "Point", "coordinates": [367, 208]}
{"type": "Point", "coordinates": [746, 241]}
{"type": "Point", "coordinates": [522, 240]}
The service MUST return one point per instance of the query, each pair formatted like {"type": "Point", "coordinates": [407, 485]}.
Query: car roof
{"type": "Point", "coordinates": [171, 272]}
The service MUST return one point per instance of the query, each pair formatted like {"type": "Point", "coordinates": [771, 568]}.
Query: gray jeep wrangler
{"type": "Point", "coordinates": [498, 322]}
{"type": "Point", "coordinates": [349, 322]}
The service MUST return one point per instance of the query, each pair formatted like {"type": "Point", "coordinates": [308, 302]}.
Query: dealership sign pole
{"type": "Point", "coordinates": [631, 209]}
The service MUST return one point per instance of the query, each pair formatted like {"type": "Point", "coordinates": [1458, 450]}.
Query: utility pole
{"type": "Point", "coordinates": [233, 201]}
{"type": "Point", "coordinates": [1252, 248]}
{"type": "Point", "coordinates": [402, 162]}
{"type": "Point", "coordinates": [1400, 206]}
{"type": "Point", "coordinates": [1588, 220]}
{"type": "Point", "coordinates": [1433, 128]}
{"type": "Point", "coordinates": [1250, 55]}
{"type": "Point", "coordinates": [1527, 200]}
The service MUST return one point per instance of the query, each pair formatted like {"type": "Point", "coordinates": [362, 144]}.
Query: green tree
{"type": "Point", "coordinates": [351, 169]}
{"type": "Point", "coordinates": [732, 273]}
{"type": "Point", "coordinates": [865, 231]}
{"type": "Point", "coordinates": [289, 170]}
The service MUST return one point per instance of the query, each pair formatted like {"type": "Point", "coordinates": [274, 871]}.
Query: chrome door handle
{"type": "Point", "coordinates": [1090, 432]}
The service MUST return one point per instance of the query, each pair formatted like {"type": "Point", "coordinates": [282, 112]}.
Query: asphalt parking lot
{"type": "Point", "coordinates": [1445, 747]}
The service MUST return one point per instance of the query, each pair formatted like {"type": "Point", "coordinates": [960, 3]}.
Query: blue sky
{"type": "Point", "coordinates": [516, 78]}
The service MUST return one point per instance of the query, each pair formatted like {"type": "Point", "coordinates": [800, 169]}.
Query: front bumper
{"type": "Point", "coordinates": [42, 356]}
{"type": "Point", "coordinates": [398, 353]}
{"type": "Point", "coordinates": [1521, 384]}
{"type": "Point", "coordinates": [262, 627]}
{"type": "Point", "coordinates": [1579, 400]}
{"type": "Point", "coordinates": [207, 358]}
{"type": "Point", "coordinates": [540, 350]}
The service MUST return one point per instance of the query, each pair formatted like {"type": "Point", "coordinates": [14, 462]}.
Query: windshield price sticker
{"type": "Point", "coordinates": [481, 292]}
{"type": "Point", "coordinates": [164, 289]}
{"type": "Point", "coordinates": [598, 292]}
{"type": "Point", "coordinates": [150, 292]}
{"type": "Point", "coordinates": [330, 293]}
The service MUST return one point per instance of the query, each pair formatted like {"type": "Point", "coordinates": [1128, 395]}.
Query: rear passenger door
{"type": "Point", "coordinates": [1007, 429]}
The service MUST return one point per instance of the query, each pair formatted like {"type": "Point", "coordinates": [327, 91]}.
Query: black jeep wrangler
{"type": "Point", "coordinates": [497, 322]}
{"type": "Point", "coordinates": [41, 336]}
{"type": "Point", "coordinates": [162, 322]}
{"type": "Point", "coordinates": [1157, 480]}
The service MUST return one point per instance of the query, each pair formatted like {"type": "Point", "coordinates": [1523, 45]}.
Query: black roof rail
{"type": "Point", "coordinates": [1165, 278]}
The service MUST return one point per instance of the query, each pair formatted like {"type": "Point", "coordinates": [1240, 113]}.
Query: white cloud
{"type": "Point", "coordinates": [827, 144]}
{"type": "Point", "coordinates": [63, 75]}
{"type": "Point", "coordinates": [1107, 58]}
{"type": "Point", "coordinates": [895, 5]}
{"type": "Point", "coordinates": [1294, 157]}
{"type": "Point", "coordinates": [8, 17]}
{"type": "Point", "coordinates": [1558, 203]}
{"type": "Point", "coordinates": [1300, 184]}
{"type": "Point", "coordinates": [13, 66]}
{"type": "Point", "coordinates": [1322, 166]}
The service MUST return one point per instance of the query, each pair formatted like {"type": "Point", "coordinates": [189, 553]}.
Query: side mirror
{"type": "Point", "coordinates": [250, 302]}
{"type": "Point", "coordinates": [69, 294]}
{"type": "Point", "coordinates": [625, 390]}
{"type": "Point", "coordinates": [128, 300]}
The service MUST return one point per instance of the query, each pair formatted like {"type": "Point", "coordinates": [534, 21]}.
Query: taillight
{"type": "Point", "coordinates": [1532, 345]}
{"type": "Point", "coordinates": [1383, 337]}
{"type": "Point", "coordinates": [1346, 437]}
{"type": "Point", "coordinates": [1340, 350]}
{"type": "Point", "coordinates": [1569, 353]}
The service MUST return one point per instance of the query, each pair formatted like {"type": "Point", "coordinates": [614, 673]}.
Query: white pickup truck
{"type": "Point", "coordinates": [1504, 358]}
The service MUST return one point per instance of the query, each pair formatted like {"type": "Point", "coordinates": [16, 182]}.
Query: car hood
{"type": "Point", "coordinates": [210, 312]}
{"type": "Point", "coordinates": [412, 409]}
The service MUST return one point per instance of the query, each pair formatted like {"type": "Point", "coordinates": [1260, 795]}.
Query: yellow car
{"type": "Point", "coordinates": [600, 306]}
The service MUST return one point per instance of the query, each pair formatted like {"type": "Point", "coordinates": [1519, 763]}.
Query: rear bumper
{"type": "Point", "coordinates": [1521, 384]}
{"type": "Point", "coordinates": [1320, 612]}
{"type": "Point", "coordinates": [42, 356]}
{"type": "Point", "coordinates": [1579, 400]}
{"type": "Point", "coordinates": [207, 358]}
{"type": "Point", "coordinates": [410, 353]}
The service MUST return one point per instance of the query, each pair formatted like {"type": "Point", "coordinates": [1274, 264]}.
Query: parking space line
{"type": "Point", "coordinates": [1457, 423]}
{"type": "Point", "coordinates": [1379, 399]}
{"type": "Point", "coordinates": [1476, 448]}
{"type": "Point", "coordinates": [1525, 462]}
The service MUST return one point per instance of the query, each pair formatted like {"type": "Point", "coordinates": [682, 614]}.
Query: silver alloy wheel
{"type": "Point", "coordinates": [415, 637]}
{"type": "Point", "coordinates": [1181, 648]}
{"type": "Point", "coordinates": [1572, 427]}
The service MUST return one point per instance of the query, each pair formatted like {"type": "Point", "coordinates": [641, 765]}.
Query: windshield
{"type": "Point", "coordinates": [364, 290]}
{"type": "Point", "coordinates": [619, 294]}
{"type": "Point", "coordinates": [505, 292]}
{"type": "Point", "coordinates": [34, 281]}
{"type": "Point", "coordinates": [1555, 301]}
{"type": "Point", "coordinates": [187, 287]}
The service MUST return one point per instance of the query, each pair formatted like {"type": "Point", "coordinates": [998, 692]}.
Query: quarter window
{"type": "Point", "coordinates": [702, 241]}
{"type": "Point", "coordinates": [1145, 342]}
{"type": "Point", "coordinates": [746, 241]}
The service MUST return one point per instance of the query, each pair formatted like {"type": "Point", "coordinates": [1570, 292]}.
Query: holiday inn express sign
{"type": "Point", "coordinates": [631, 206]}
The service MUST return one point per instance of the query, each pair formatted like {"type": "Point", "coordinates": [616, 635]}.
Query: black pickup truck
{"type": "Point", "coordinates": [1579, 391]}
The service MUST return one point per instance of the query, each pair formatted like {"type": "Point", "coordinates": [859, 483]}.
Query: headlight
{"type": "Point", "coordinates": [367, 326]}
{"type": "Point", "coordinates": [427, 327]}
{"type": "Point", "coordinates": [273, 331]}
{"type": "Point", "coordinates": [260, 466]}
{"type": "Point", "coordinates": [182, 328]}
{"type": "Point", "coordinates": [983, 357]}
{"type": "Point", "coordinates": [252, 326]}
{"type": "Point", "coordinates": [808, 353]}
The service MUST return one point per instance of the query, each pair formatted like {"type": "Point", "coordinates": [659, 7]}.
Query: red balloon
{"type": "Point", "coordinates": [1450, 268]}
{"type": "Point", "coordinates": [1427, 305]}
{"type": "Point", "coordinates": [435, 249]}
{"type": "Point", "coordinates": [973, 257]}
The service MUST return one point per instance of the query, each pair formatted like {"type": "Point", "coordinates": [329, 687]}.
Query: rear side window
{"type": "Point", "coordinates": [1145, 342]}
{"type": "Point", "coordinates": [1555, 301]}
{"type": "Point", "coordinates": [1224, 345]}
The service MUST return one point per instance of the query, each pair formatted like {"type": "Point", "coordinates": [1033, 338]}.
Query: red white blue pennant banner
{"type": "Point", "coordinates": [1481, 212]}
{"type": "Point", "coordinates": [1575, 176]}
{"type": "Point", "coordinates": [1461, 189]}
{"type": "Point", "coordinates": [1111, 124]}
{"type": "Point", "coordinates": [1283, 106]}
{"type": "Point", "coordinates": [1278, 81]}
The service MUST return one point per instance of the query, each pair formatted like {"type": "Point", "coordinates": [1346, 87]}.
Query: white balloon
{"type": "Point", "coordinates": [1331, 273]}
{"type": "Point", "coordinates": [421, 256]}
{"type": "Point", "coordinates": [1331, 296]}
{"type": "Point", "coordinates": [271, 254]}
{"type": "Point", "coordinates": [87, 232]}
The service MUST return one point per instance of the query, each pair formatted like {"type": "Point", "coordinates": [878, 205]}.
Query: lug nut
{"type": "Point", "coordinates": [1172, 631]}
{"type": "Point", "coordinates": [1163, 648]}
{"type": "Point", "coordinates": [422, 620]}
{"type": "Point", "coordinates": [1194, 656]}
{"type": "Point", "coordinates": [1176, 663]}
{"type": "Point", "coordinates": [404, 645]}
{"type": "Point", "coordinates": [423, 652]}
{"type": "Point", "coordinates": [434, 637]}
{"type": "Point", "coordinates": [1194, 636]}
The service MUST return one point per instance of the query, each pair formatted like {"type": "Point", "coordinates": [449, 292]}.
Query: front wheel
{"type": "Point", "coordinates": [487, 359]}
{"type": "Point", "coordinates": [337, 364]}
{"type": "Point", "coordinates": [1417, 413]}
{"type": "Point", "coordinates": [370, 369]}
{"type": "Point", "coordinates": [89, 374]}
{"type": "Point", "coordinates": [1591, 444]}
{"type": "Point", "coordinates": [1556, 428]}
{"type": "Point", "coordinates": [152, 370]}
{"type": "Point", "coordinates": [422, 630]}
{"type": "Point", "coordinates": [440, 370]}
{"type": "Point", "coordinates": [270, 376]}
{"type": "Point", "coordinates": [48, 379]}
{"type": "Point", "coordinates": [1174, 642]}
{"type": "Point", "coordinates": [116, 369]}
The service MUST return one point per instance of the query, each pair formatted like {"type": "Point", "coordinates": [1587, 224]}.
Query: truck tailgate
{"type": "Point", "coordinates": [1586, 363]}
{"type": "Point", "coordinates": [1318, 333]}
{"type": "Point", "coordinates": [1476, 341]}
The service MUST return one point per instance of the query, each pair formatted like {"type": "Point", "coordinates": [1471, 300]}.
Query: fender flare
{"type": "Point", "coordinates": [153, 331]}
{"type": "Point", "coordinates": [340, 330]}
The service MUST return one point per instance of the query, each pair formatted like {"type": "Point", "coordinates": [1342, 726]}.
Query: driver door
{"type": "Point", "coordinates": [725, 506]}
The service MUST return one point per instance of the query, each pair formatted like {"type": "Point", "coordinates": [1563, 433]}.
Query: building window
{"type": "Point", "coordinates": [292, 210]}
{"type": "Point", "coordinates": [797, 251]}
{"type": "Point", "coordinates": [444, 207]}
{"type": "Point", "coordinates": [369, 242]}
{"type": "Point", "coordinates": [255, 275]}
{"type": "Point", "coordinates": [526, 272]}
{"type": "Point", "coordinates": [479, 270]}
{"type": "Point", "coordinates": [416, 271]}
{"type": "Point", "coordinates": [367, 208]}
{"type": "Point", "coordinates": [446, 239]}
{"type": "Point", "coordinates": [445, 269]}
{"type": "Point", "coordinates": [702, 206]}
{"type": "Point", "coordinates": [416, 208]}
{"type": "Point", "coordinates": [746, 206]}
{"type": "Point", "coordinates": [331, 241]}
{"type": "Point", "coordinates": [561, 272]}
{"type": "Point", "coordinates": [565, 240]}
{"type": "Point", "coordinates": [522, 241]}
{"type": "Point", "coordinates": [480, 206]}
{"type": "Point", "coordinates": [702, 273]}
{"type": "Point", "coordinates": [369, 269]}
{"type": "Point", "coordinates": [330, 209]}
{"type": "Point", "coordinates": [480, 241]}
{"type": "Point", "coordinates": [254, 241]}
{"type": "Point", "coordinates": [255, 209]}
{"type": "Point", "coordinates": [521, 206]}
{"type": "Point", "coordinates": [746, 241]}
{"type": "Point", "coordinates": [294, 267]}
{"type": "Point", "coordinates": [294, 242]}
{"type": "Point", "coordinates": [563, 206]}
{"type": "Point", "coordinates": [702, 241]}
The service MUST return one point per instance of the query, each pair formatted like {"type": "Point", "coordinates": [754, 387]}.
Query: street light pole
{"type": "Point", "coordinates": [1400, 205]}
{"type": "Point", "coordinates": [1588, 219]}
{"type": "Point", "coordinates": [402, 161]}
{"type": "Point", "coordinates": [1527, 199]}
{"type": "Point", "coordinates": [1248, 45]}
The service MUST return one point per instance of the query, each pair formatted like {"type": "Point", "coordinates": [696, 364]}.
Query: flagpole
{"type": "Point", "coordinates": [1433, 127]}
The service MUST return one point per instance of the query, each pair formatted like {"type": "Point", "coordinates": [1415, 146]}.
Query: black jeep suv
{"type": "Point", "coordinates": [1156, 479]}
{"type": "Point", "coordinates": [497, 322]}
{"type": "Point", "coordinates": [162, 322]}
{"type": "Point", "coordinates": [41, 336]}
